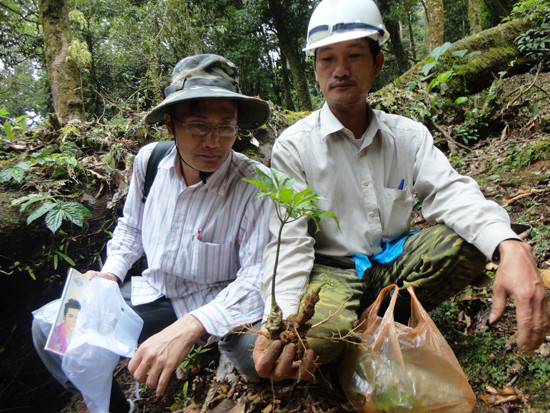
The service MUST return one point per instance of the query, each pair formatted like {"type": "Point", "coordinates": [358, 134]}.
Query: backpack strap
{"type": "Point", "coordinates": [160, 150]}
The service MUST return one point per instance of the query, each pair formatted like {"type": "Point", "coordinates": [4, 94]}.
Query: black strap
{"type": "Point", "coordinates": [160, 150]}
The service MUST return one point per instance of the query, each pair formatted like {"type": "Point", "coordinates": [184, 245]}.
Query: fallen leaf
{"type": "Point", "coordinates": [268, 409]}
{"type": "Point", "coordinates": [545, 275]}
{"type": "Point", "coordinates": [543, 350]}
{"type": "Point", "coordinates": [507, 390]}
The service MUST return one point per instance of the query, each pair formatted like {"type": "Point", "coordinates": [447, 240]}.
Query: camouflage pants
{"type": "Point", "coordinates": [436, 262]}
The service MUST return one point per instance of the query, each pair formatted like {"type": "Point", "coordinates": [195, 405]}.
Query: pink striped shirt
{"type": "Point", "coordinates": [204, 243]}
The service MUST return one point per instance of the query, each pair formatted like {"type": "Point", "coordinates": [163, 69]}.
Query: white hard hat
{"type": "Point", "coordinates": [336, 21]}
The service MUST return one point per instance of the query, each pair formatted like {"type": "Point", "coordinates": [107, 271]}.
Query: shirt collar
{"type": "Point", "coordinates": [329, 124]}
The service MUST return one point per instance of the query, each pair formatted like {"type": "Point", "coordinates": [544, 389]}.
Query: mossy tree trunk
{"type": "Point", "coordinates": [63, 71]}
{"type": "Point", "coordinates": [436, 18]}
{"type": "Point", "coordinates": [289, 104]}
{"type": "Point", "coordinates": [474, 16]}
{"type": "Point", "coordinates": [287, 44]}
{"type": "Point", "coordinates": [396, 45]}
{"type": "Point", "coordinates": [497, 51]}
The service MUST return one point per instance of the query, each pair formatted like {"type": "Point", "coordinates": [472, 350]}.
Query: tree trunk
{"type": "Point", "coordinates": [289, 103]}
{"type": "Point", "coordinates": [288, 48]}
{"type": "Point", "coordinates": [63, 71]}
{"type": "Point", "coordinates": [436, 18]}
{"type": "Point", "coordinates": [474, 16]}
{"type": "Point", "coordinates": [397, 46]}
{"type": "Point", "coordinates": [411, 37]}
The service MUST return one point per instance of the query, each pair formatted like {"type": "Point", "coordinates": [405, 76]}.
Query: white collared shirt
{"type": "Point", "coordinates": [361, 186]}
{"type": "Point", "coordinates": [204, 243]}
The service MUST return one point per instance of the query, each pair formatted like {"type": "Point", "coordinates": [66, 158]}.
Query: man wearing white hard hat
{"type": "Point", "coordinates": [367, 164]}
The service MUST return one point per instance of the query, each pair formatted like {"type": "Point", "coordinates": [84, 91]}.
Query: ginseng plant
{"type": "Point", "coordinates": [290, 205]}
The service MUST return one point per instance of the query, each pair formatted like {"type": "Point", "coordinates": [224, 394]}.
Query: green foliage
{"type": "Point", "coordinates": [57, 164]}
{"type": "Point", "coordinates": [22, 76]}
{"type": "Point", "coordinates": [289, 204]}
{"type": "Point", "coordinates": [521, 156]}
{"type": "Point", "coordinates": [14, 127]}
{"type": "Point", "coordinates": [60, 252]}
{"type": "Point", "coordinates": [535, 42]}
{"type": "Point", "coordinates": [15, 172]}
{"type": "Point", "coordinates": [455, 58]}
{"type": "Point", "coordinates": [55, 210]}
{"type": "Point", "coordinates": [194, 356]}
{"type": "Point", "coordinates": [292, 117]}
{"type": "Point", "coordinates": [78, 52]}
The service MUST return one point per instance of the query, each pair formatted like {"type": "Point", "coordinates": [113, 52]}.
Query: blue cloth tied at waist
{"type": "Point", "coordinates": [390, 251]}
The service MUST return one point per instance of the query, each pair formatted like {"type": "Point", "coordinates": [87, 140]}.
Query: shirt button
{"type": "Point", "coordinates": [365, 183]}
{"type": "Point", "coordinates": [372, 214]}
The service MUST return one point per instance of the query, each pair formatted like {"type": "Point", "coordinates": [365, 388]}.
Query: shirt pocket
{"type": "Point", "coordinates": [395, 211]}
{"type": "Point", "coordinates": [213, 263]}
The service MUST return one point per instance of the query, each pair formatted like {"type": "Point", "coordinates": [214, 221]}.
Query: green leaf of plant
{"type": "Point", "coordinates": [433, 83]}
{"type": "Point", "coordinates": [7, 130]}
{"type": "Point", "coordinates": [66, 258]}
{"type": "Point", "coordinates": [427, 68]}
{"type": "Point", "coordinates": [443, 77]}
{"type": "Point", "coordinates": [281, 180]}
{"type": "Point", "coordinates": [75, 212]}
{"type": "Point", "coordinates": [267, 180]}
{"type": "Point", "coordinates": [460, 53]}
{"type": "Point", "coordinates": [438, 51]}
{"type": "Point", "coordinates": [285, 196]}
{"type": "Point", "coordinates": [41, 210]}
{"type": "Point", "coordinates": [27, 200]}
{"type": "Point", "coordinates": [258, 183]}
{"type": "Point", "coordinates": [54, 218]}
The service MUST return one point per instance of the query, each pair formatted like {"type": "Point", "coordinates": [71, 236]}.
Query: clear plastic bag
{"type": "Point", "coordinates": [106, 328]}
{"type": "Point", "coordinates": [45, 315]}
{"type": "Point", "coordinates": [402, 368]}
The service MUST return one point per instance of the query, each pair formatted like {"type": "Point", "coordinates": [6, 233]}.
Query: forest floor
{"type": "Point", "coordinates": [512, 167]}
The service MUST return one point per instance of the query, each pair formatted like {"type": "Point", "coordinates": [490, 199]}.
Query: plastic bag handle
{"type": "Point", "coordinates": [375, 307]}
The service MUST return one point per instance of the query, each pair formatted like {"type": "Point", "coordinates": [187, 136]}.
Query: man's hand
{"type": "Point", "coordinates": [277, 363]}
{"type": "Point", "coordinates": [157, 358]}
{"type": "Point", "coordinates": [517, 277]}
{"type": "Point", "coordinates": [91, 274]}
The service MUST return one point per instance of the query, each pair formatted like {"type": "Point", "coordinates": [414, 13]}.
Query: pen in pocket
{"type": "Point", "coordinates": [197, 235]}
{"type": "Point", "coordinates": [401, 184]}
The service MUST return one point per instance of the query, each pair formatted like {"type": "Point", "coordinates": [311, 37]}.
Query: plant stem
{"type": "Point", "coordinates": [273, 301]}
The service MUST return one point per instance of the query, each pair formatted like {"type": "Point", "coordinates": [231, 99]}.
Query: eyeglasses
{"type": "Point", "coordinates": [202, 129]}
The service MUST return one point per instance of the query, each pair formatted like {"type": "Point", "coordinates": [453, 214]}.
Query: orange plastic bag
{"type": "Point", "coordinates": [401, 368]}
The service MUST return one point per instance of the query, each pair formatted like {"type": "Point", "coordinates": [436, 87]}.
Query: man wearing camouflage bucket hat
{"type": "Point", "coordinates": [201, 227]}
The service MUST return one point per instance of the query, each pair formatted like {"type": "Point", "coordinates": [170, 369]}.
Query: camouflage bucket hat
{"type": "Point", "coordinates": [208, 76]}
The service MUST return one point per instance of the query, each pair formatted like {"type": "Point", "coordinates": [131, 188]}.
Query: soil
{"type": "Point", "coordinates": [525, 191]}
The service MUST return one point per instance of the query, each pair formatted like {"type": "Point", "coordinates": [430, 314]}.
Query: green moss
{"type": "Point", "coordinates": [292, 117]}
{"type": "Point", "coordinates": [540, 151]}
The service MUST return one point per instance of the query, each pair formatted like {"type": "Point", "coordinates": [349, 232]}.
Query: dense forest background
{"type": "Point", "coordinates": [121, 53]}
{"type": "Point", "coordinates": [77, 76]}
